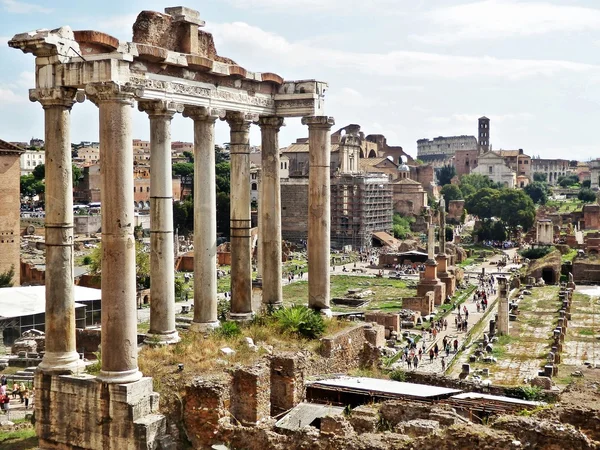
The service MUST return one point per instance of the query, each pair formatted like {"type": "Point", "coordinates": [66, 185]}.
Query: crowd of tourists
{"type": "Point", "coordinates": [20, 390]}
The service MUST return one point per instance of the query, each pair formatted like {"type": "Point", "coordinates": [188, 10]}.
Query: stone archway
{"type": "Point", "coordinates": [549, 276]}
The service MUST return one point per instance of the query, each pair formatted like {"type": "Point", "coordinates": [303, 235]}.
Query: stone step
{"type": "Point", "coordinates": [182, 326]}
{"type": "Point", "coordinates": [183, 319]}
{"type": "Point", "coordinates": [31, 369]}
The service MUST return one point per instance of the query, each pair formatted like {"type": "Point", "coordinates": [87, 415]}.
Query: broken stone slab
{"type": "Point", "coordinates": [227, 351]}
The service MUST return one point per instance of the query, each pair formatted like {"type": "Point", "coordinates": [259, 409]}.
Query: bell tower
{"type": "Point", "coordinates": [484, 134]}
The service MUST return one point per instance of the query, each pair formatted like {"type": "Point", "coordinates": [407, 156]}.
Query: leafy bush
{"type": "Point", "coordinates": [401, 227]}
{"type": "Point", "coordinates": [586, 195]}
{"type": "Point", "coordinates": [87, 260]}
{"type": "Point", "coordinates": [300, 320]}
{"type": "Point", "coordinates": [398, 375]}
{"type": "Point", "coordinates": [229, 330]}
{"type": "Point", "coordinates": [532, 393]}
{"type": "Point", "coordinates": [223, 307]}
{"type": "Point", "coordinates": [536, 253]}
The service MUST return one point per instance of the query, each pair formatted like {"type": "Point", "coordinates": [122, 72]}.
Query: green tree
{"type": "Point", "coordinates": [477, 181]}
{"type": "Point", "coordinates": [39, 172]}
{"type": "Point", "coordinates": [77, 175]}
{"type": "Point", "coordinates": [540, 176]}
{"type": "Point", "coordinates": [31, 187]}
{"type": "Point", "coordinates": [401, 226]}
{"type": "Point", "coordinates": [183, 169]}
{"type": "Point", "coordinates": [586, 184]}
{"type": "Point", "coordinates": [586, 195]}
{"type": "Point", "coordinates": [189, 156]}
{"type": "Point", "coordinates": [451, 192]}
{"type": "Point", "coordinates": [567, 181]}
{"type": "Point", "coordinates": [6, 278]}
{"type": "Point", "coordinates": [515, 208]}
{"type": "Point", "coordinates": [537, 191]}
{"type": "Point", "coordinates": [483, 203]}
{"type": "Point", "coordinates": [445, 174]}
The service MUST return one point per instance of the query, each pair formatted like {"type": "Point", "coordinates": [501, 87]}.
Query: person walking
{"type": "Point", "coordinates": [431, 354]}
{"type": "Point", "coordinates": [416, 362]}
{"type": "Point", "coordinates": [443, 364]}
{"type": "Point", "coordinates": [436, 350]}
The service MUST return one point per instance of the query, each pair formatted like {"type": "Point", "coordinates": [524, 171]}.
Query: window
{"type": "Point", "coordinates": [147, 188]}
{"type": "Point", "coordinates": [491, 169]}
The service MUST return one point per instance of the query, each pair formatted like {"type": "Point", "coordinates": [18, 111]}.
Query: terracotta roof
{"type": "Point", "coordinates": [372, 162]}
{"type": "Point", "coordinates": [386, 239]}
{"type": "Point", "coordinates": [7, 146]}
{"type": "Point", "coordinates": [406, 181]}
{"type": "Point", "coordinates": [303, 148]}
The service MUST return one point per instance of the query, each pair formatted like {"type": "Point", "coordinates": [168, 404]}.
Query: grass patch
{"type": "Point", "coordinates": [586, 332]}
{"type": "Point", "coordinates": [21, 439]}
{"type": "Point", "coordinates": [387, 293]}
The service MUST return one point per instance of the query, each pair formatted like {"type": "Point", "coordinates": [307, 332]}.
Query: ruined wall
{"type": "Point", "coordinates": [10, 226]}
{"type": "Point", "coordinates": [287, 381]}
{"type": "Point", "coordinates": [586, 271]}
{"type": "Point", "coordinates": [206, 402]}
{"type": "Point", "coordinates": [294, 210]}
{"type": "Point", "coordinates": [250, 394]}
{"type": "Point", "coordinates": [424, 305]}
{"type": "Point", "coordinates": [78, 412]}
{"type": "Point", "coordinates": [347, 349]}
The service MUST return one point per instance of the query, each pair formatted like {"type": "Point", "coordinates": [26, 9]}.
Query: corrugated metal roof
{"type": "Point", "coordinates": [372, 386]}
{"type": "Point", "coordinates": [495, 398]}
{"type": "Point", "coordinates": [304, 414]}
{"type": "Point", "coordinates": [29, 300]}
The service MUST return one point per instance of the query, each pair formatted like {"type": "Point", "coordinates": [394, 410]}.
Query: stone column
{"type": "Point", "coordinates": [270, 212]}
{"type": "Point", "coordinates": [260, 235]}
{"type": "Point", "coordinates": [241, 252]}
{"type": "Point", "coordinates": [119, 313]}
{"type": "Point", "coordinates": [503, 314]}
{"type": "Point", "coordinates": [205, 219]}
{"type": "Point", "coordinates": [162, 257]}
{"type": "Point", "coordinates": [319, 211]}
{"type": "Point", "coordinates": [61, 352]}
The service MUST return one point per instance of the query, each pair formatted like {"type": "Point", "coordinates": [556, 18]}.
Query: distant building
{"type": "Point", "coordinates": [465, 161]}
{"type": "Point", "coordinates": [494, 166]}
{"type": "Point", "coordinates": [439, 150]}
{"type": "Point", "coordinates": [553, 168]}
{"type": "Point", "coordinates": [520, 163]}
{"type": "Point", "coordinates": [30, 159]}
{"type": "Point", "coordinates": [484, 135]}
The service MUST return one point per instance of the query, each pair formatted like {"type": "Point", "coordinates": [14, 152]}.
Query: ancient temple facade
{"type": "Point", "coordinates": [170, 67]}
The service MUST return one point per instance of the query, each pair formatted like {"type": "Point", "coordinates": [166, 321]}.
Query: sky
{"type": "Point", "coordinates": [408, 69]}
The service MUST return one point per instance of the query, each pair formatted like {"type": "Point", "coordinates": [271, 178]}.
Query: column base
{"type": "Point", "coordinates": [326, 312]}
{"type": "Point", "coordinates": [241, 317]}
{"type": "Point", "coordinates": [126, 376]}
{"type": "Point", "coordinates": [61, 362]}
{"type": "Point", "coordinates": [272, 306]}
{"type": "Point", "coordinates": [204, 327]}
{"type": "Point", "coordinates": [162, 339]}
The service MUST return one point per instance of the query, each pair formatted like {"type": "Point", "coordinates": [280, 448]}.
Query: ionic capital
{"type": "Point", "coordinates": [202, 113]}
{"type": "Point", "coordinates": [109, 91]}
{"type": "Point", "coordinates": [270, 122]}
{"type": "Point", "coordinates": [318, 122]}
{"type": "Point", "coordinates": [63, 97]}
{"type": "Point", "coordinates": [239, 121]}
{"type": "Point", "coordinates": [160, 108]}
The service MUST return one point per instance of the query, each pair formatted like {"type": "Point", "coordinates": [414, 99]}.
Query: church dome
{"type": "Point", "coordinates": [403, 168]}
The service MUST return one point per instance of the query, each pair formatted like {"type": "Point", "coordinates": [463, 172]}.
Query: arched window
{"type": "Point", "coordinates": [254, 187]}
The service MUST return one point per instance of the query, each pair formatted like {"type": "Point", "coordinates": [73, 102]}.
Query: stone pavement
{"type": "Point", "coordinates": [451, 332]}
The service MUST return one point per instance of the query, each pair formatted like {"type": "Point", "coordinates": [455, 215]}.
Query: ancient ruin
{"type": "Point", "coordinates": [170, 66]}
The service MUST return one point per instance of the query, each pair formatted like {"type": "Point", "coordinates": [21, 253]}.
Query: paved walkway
{"type": "Point", "coordinates": [451, 332]}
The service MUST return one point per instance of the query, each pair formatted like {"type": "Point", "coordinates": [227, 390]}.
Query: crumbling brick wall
{"type": "Point", "coordinates": [250, 394]}
{"type": "Point", "coordinates": [206, 402]}
{"type": "Point", "coordinates": [287, 381]}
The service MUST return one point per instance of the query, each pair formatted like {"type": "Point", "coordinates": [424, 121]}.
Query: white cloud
{"type": "Point", "coordinates": [266, 48]}
{"type": "Point", "coordinates": [8, 97]}
{"type": "Point", "coordinates": [13, 6]}
{"type": "Point", "coordinates": [121, 26]}
{"type": "Point", "coordinates": [297, 7]}
{"type": "Point", "coordinates": [472, 118]}
{"type": "Point", "coordinates": [497, 19]}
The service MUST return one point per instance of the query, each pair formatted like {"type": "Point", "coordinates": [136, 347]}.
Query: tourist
{"type": "Point", "coordinates": [22, 390]}
{"type": "Point", "coordinates": [436, 350]}
{"type": "Point", "coordinates": [431, 355]}
{"type": "Point", "coordinates": [448, 349]}
{"type": "Point", "coordinates": [15, 391]}
{"type": "Point", "coordinates": [416, 362]}
{"type": "Point", "coordinates": [26, 397]}
{"type": "Point", "coordinates": [420, 354]}
{"type": "Point", "coordinates": [455, 345]}
{"type": "Point", "coordinates": [445, 324]}
{"type": "Point", "coordinates": [443, 364]}
{"type": "Point", "coordinates": [4, 403]}
{"type": "Point", "coordinates": [409, 362]}
{"type": "Point", "coordinates": [3, 380]}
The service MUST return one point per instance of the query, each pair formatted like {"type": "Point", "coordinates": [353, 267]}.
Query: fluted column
{"type": "Point", "coordinates": [270, 211]}
{"type": "Point", "coordinates": [205, 219]}
{"type": "Point", "coordinates": [241, 252]}
{"type": "Point", "coordinates": [119, 313]}
{"type": "Point", "coordinates": [319, 211]}
{"type": "Point", "coordinates": [61, 352]}
{"type": "Point", "coordinates": [162, 258]}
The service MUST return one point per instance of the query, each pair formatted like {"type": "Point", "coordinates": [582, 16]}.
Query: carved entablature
{"type": "Point", "coordinates": [170, 59]}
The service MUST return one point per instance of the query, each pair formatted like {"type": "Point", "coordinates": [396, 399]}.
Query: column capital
{"type": "Point", "coordinates": [160, 107]}
{"type": "Point", "coordinates": [59, 96]}
{"type": "Point", "coordinates": [275, 122]}
{"type": "Point", "coordinates": [318, 121]}
{"type": "Point", "coordinates": [239, 121]}
{"type": "Point", "coordinates": [108, 91]}
{"type": "Point", "coordinates": [203, 113]}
